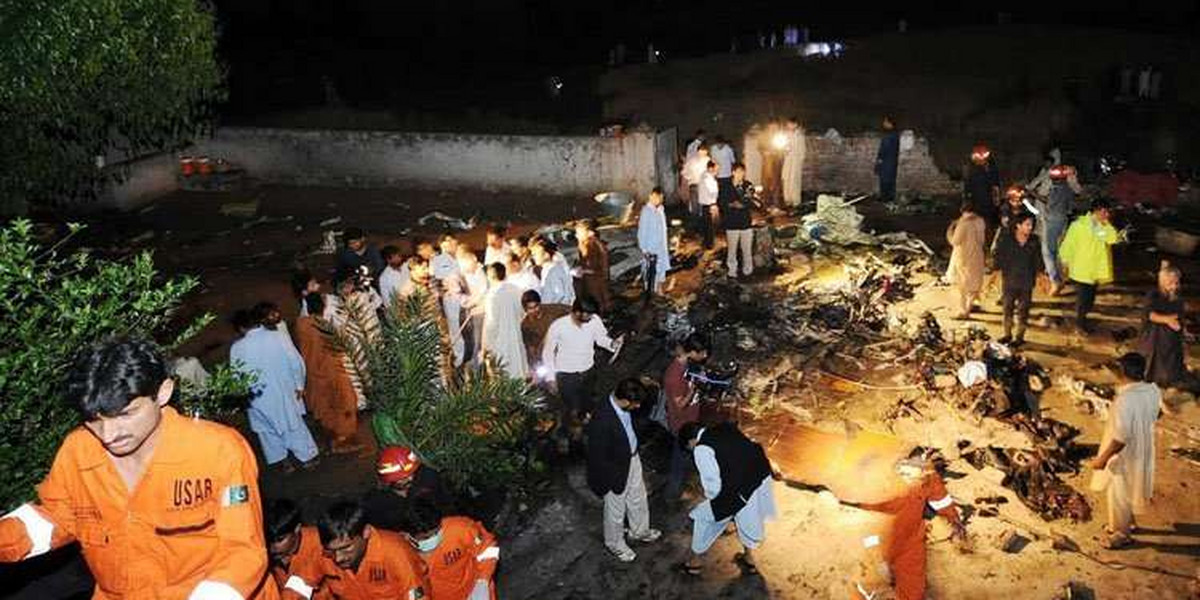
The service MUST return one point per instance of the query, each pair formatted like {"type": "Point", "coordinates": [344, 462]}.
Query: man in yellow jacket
{"type": "Point", "coordinates": [1086, 255]}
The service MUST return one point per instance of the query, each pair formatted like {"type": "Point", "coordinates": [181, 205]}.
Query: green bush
{"type": "Point", "coordinates": [79, 78]}
{"type": "Point", "coordinates": [55, 302]}
{"type": "Point", "coordinates": [475, 430]}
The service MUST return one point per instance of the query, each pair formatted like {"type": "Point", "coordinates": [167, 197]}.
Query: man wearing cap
{"type": "Point", "coordinates": [402, 478]}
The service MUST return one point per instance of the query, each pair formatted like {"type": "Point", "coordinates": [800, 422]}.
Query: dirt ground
{"type": "Point", "coordinates": [553, 548]}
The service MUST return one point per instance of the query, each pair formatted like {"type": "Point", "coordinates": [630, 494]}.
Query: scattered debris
{"type": "Point", "coordinates": [243, 210]}
{"type": "Point", "coordinates": [447, 221]}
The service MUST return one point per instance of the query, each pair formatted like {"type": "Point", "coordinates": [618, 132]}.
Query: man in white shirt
{"type": "Point", "coordinates": [569, 353]}
{"type": "Point", "coordinates": [520, 276]}
{"type": "Point", "coordinates": [475, 304]}
{"type": "Point", "coordinates": [445, 263]}
{"type": "Point", "coordinates": [501, 340]}
{"type": "Point", "coordinates": [496, 250]}
{"type": "Point", "coordinates": [709, 191]}
{"type": "Point", "coordinates": [723, 155]}
{"type": "Point", "coordinates": [394, 275]}
{"type": "Point", "coordinates": [1125, 465]}
{"type": "Point", "coordinates": [694, 145]}
{"type": "Point", "coordinates": [693, 171]}
{"type": "Point", "coordinates": [557, 286]}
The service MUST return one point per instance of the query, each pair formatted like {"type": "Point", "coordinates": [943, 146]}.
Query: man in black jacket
{"type": "Point", "coordinates": [735, 212]}
{"type": "Point", "coordinates": [614, 470]}
{"type": "Point", "coordinates": [736, 475]}
{"type": "Point", "coordinates": [1018, 255]}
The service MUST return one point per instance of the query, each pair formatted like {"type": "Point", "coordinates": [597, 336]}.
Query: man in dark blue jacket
{"type": "Point", "coordinates": [614, 470]}
{"type": "Point", "coordinates": [887, 160]}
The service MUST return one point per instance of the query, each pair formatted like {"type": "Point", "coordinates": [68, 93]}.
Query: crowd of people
{"type": "Point", "coordinates": [1077, 253]}
{"type": "Point", "coordinates": [170, 506]}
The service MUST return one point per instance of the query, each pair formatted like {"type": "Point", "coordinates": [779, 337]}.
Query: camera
{"type": "Point", "coordinates": [711, 383]}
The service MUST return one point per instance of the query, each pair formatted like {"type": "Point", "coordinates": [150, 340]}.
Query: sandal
{"type": "Point", "coordinates": [1117, 542]}
{"type": "Point", "coordinates": [748, 568]}
{"type": "Point", "coordinates": [689, 570]}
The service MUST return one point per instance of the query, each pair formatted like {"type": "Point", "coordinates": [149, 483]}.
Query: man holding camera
{"type": "Point", "coordinates": [680, 405]}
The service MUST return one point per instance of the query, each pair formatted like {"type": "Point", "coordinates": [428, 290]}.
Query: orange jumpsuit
{"type": "Point", "coordinates": [389, 570]}
{"type": "Point", "coordinates": [468, 554]}
{"type": "Point", "coordinates": [904, 543]}
{"type": "Point", "coordinates": [300, 580]}
{"type": "Point", "coordinates": [193, 522]}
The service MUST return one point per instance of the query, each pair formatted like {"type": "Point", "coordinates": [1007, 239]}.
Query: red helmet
{"type": "Point", "coordinates": [980, 153]}
{"type": "Point", "coordinates": [396, 463]}
{"type": "Point", "coordinates": [1061, 171]}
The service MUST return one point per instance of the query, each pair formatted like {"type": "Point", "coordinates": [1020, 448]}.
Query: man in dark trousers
{"type": "Point", "coordinates": [982, 185]}
{"type": "Point", "coordinates": [356, 255]}
{"type": "Point", "coordinates": [1018, 254]}
{"type": "Point", "coordinates": [614, 470]}
{"type": "Point", "coordinates": [887, 160]}
{"type": "Point", "coordinates": [402, 479]}
{"type": "Point", "coordinates": [736, 476]}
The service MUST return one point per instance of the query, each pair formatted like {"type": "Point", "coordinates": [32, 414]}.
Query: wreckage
{"type": "Point", "coordinates": [836, 319]}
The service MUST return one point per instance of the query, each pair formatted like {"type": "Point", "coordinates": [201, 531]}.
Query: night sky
{"type": "Point", "coordinates": [448, 54]}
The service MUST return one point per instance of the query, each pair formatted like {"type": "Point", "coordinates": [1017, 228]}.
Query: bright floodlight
{"type": "Point", "coordinates": [779, 140]}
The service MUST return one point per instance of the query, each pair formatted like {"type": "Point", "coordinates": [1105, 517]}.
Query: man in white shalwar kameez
{"type": "Point", "coordinates": [1126, 456]}
{"type": "Point", "coordinates": [502, 323]}
{"type": "Point", "coordinates": [521, 276]}
{"type": "Point", "coordinates": [793, 163]}
{"type": "Point", "coordinates": [276, 410]}
{"type": "Point", "coordinates": [652, 239]}
{"type": "Point", "coordinates": [737, 478]}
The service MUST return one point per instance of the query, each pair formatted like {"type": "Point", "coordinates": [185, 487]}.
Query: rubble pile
{"type": "Point", "coordinates": [1008, 391]}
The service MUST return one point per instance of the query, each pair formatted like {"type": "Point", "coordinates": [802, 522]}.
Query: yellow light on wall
{"type": "Point", "coordinates": [779, 141]}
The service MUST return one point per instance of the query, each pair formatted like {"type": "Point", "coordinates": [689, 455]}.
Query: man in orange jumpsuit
{"type": "Point", "coordinates": [903, 544]}
{"type": "Point", "coordinates": [296, 553]}
{"type": "Point", "coordinates": [364, 563]}
{"type": "Point", "coordinates": [164, 506]}
{"type": "Point", "coordinates": [460, 553]}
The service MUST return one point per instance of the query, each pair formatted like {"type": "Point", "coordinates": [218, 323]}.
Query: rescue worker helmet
{"type": "Point", "coordinates": [396, 463]}
{"type": "Point", "coordinates": [980, 153]}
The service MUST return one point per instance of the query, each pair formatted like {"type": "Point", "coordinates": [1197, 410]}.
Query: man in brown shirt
{"type": "Point", "coordinates": [681, 410]}
{"type": "Point", "coordinates": [536, 322]}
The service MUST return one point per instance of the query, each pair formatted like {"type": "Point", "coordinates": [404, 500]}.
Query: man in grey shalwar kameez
{"type": "Point", "coordinates": [736, 476]}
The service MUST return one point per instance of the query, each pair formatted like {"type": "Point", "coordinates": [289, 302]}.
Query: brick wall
{"type": "Point", "coordinates": [846, 165]}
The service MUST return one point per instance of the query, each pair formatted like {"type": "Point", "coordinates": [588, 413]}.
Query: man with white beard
{"type": "Point", "coordinates": [502, 323]}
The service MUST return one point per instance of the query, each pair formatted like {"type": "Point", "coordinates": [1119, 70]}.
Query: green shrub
{"type": "Point", "coordinates": [55, 302]}
{"type": "Point", "coordinates": [475, 430]}
{"type": "Point", "coordinates": [81, 78]}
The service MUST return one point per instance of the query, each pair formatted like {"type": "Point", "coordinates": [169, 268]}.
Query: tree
{"type": "Point", "coordinates": [81, 79]}
{"type": "Point", "coordinates": [474, 430]}
{"type": "Point", "coordinates": [54, 303]}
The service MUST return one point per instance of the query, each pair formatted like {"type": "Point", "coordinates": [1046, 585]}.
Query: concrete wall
{"type": "Point", "coordinates": [558, 165]}
{"type": "Point", "coordinates": [547, 164]}
{"type": "Point", "coordinates": [142, 180]}
{"type": "Point", "coordinates": [846, 165]}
